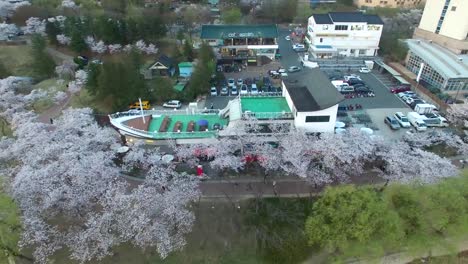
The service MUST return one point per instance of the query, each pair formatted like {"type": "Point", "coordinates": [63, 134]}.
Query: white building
{"type": "Point", "coordinates": [351, 34]}
{"type": "Point", "coordinates": [441, 43]}
{"type": "Point", "coordinates": [242, 43]}
{"type": "Point", "coordinates": [313, 100]}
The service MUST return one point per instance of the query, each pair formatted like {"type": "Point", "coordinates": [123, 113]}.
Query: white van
{"type": "Point", "coordinates": [433, 120]}
{"type": "Point", "coordinates": [417, 121]}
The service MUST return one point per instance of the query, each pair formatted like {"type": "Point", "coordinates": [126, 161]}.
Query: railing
{"type": "Point", "coordinates": [166, 112]}
{"type": "Point", "coordinates": [264, 94]}
{"type": "Point", "coordinates": [268, 115]}
{"type": "Point", "coordinates": [171, 135]}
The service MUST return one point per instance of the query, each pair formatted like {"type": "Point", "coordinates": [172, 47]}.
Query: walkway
{"type": "Point", "coordinates": [54, 111]}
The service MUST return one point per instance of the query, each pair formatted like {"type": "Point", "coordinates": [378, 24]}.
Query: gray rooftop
{"type": "Point", "coordinates": [351, 17]}
{"type": "Point", "coordinates": [445, 62]}
{"type": "Point", "coordinates": [311, 90]}
{"type": "Point", "coordinates": [239, 31]}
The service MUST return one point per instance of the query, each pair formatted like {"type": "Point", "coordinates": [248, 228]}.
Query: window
{"type": "Point", "coordinates": [317, 119]}
{"type": "Point", "coordinates": [362, 52]}
{"type": "Point", "coordinates": [341, 27]}
{"type": "Point", "coordinates": [454, 8]}
{"type": "Point", "coordinates": [464, 52]}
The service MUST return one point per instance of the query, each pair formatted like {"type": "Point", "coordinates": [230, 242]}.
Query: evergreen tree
{"type": "Point", "coordinates": [52, 30]}
{"type": "Point", "coordinates": [77, 42]}
{"type": "Point", "coordinates": [42, 63]}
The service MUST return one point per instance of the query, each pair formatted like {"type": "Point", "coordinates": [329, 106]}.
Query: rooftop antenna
{"type": "Point", "coordinates": [141, 109]}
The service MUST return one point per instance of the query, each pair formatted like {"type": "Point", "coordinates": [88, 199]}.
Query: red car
{"type": "Point", "coordinates": [400, 89]}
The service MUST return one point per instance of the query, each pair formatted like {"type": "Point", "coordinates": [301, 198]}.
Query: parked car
{"type": "Point", "coordinates": [213, 91]}
{"type": "Point", "coordinates": [144, 104]}
{"type": "Point", "coordinates": [402, 119]}
{"type": "Point", "coordinates": [400, 89]}
{"type": "Point", "coordinates": [392, 122]}
{"type": "Point", "coordinates": [416, 102]}
{"type": "Point", "coordinates": [234, 91]}
{"type": "Point", "coordinates": [417, 121]}
{"type": "Point", "coordinates": [410, 99]}
{"type": "Point", "coordinates": [287, 38]}
{"type": "Point", "coordinates": [244, 89]}
{"type": "Point", "coordinates": [224, 90]}
{"type": "Point", "coordinates": [240, 82]}
{"type": "Point", "coordinates": [405, 94]}
{"type": "Point", "coordinates": [231, 82]}
{"type": "Point", "coordinates": [254, 89]}
{"type": "Point", "coordinates": [352, 76]}
{"type": "Point", "coordinates": [173, 104]}
{"type": "Point", "coordinates": [354, 81]}
{"type": "Point", "coordinates": [294, 69]}
{"type": "Point", "coordinates": [364, 70]}
{"type": "Point", "coordinates": [362, 89]}
{"type": "Point", "coordinates": [298, 47]}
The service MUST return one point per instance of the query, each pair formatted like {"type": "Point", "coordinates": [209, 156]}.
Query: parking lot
{"type": "Point", "coordinates": [375, 109]}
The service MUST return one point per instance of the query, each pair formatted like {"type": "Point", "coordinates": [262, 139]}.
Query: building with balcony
{"type": "Point", "coordinates": [242, 43]}
{"type": "Point", "coordinates": [343, 34]}
{"type": "Point", "coordinates": [388, 3]}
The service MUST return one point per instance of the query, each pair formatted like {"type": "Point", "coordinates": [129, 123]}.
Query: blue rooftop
{"type": "Point", "coordinates": [323, 47]}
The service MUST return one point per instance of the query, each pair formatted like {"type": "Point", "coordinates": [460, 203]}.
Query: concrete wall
{"type": "Point", "coordinates": [455, 24]}
{"type": "Point", "coordinates": [299, 120]}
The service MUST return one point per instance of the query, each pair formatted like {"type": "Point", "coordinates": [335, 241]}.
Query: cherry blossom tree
{"type": "Point", "coordinates": [67, 170]}
{"type": "Point", "coordinates": [437, 137]}
{"type": "Point", "coordinates": [458, 114]}
{"type": "Point", "coordinates": [64, 40]}
{"type": "Point", "coordinates": [80, 80]}
{"type": "Point", "coordinates": [12, 101]}
{"type": "Point", "coordinates": [114, 48]}
{"type": "Point", "coordinates": [7, 8]}
{"type": "Point", "coordinates": [148, 49]}
{"type": "Point", "coordinates": [98, 47]}
{"type": "Point", "coordinates": [404, 163]}
{"type": "Point", "coordinates": [35, 25]}
{"type": "Point", "coordinates": [66, 70]}
{"type": "Point", "coordinates": [69, 4]}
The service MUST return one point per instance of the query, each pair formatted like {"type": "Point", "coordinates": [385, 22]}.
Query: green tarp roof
{"type": "Point", "coordinates": [239, 31]}
{"type": "Point", "coordinates": [179, 87]}
{"type": "Point", "coordinates": [185, 65]}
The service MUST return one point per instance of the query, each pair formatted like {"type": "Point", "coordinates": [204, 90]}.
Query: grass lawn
{"type": "Point", "coordinates": [84, 99]}
{"type": "Point", "coordinates": [5, 129]}
{"type": "Point", "coordinates": [52, 85]}
{"type": "Point", "coordinates": [16, 59]}
{"type": "Point", "coordinates": [258, 232]}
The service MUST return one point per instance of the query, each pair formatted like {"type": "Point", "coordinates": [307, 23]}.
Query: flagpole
{"type": "Point", "coordinates": [141, 109]}
{"type": "Point", "coordinates": [419, 74]}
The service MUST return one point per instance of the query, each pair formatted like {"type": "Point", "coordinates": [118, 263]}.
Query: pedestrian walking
{"type": "Point", "coordinates": [212, 106]}
{"type": "Point", "coordinates": [51, 121]}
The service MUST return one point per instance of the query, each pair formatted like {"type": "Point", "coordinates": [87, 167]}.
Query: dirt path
{"type": "Point", "coordinates": [48, 115]}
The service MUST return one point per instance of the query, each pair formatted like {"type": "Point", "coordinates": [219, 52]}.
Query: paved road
{"type": "Point", "coordinates": [288, 56]}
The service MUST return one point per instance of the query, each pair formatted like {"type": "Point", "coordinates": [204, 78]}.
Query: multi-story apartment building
{"type": "Point", "coordinates": [441, 43]}
{"type": "Point", "coordinates": [445, 22]}
{"type": "Point", "coordinates": [388, 3]}
{"type": "Point", "coordinates": [246, 43]}
{"type": "Point", "coordinates": [351, 34]}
